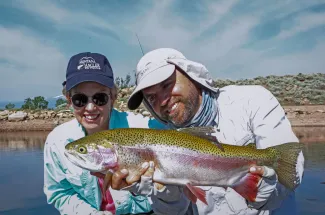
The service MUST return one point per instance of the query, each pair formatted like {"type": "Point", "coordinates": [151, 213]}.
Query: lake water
{"type": "Point", "coordinates": [21, 173]}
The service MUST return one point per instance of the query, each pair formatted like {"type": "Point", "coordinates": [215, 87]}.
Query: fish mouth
{"type": "Point", "coordinates": [79, 161]}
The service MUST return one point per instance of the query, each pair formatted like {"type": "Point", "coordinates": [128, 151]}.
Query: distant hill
{"type": "Point", "coordinates": [18, 104]}
{"type": "Point", "coordinates": [301, 89]}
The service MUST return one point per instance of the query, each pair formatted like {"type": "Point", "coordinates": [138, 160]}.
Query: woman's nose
{"type": "Point", "coordinates": [90, 106]}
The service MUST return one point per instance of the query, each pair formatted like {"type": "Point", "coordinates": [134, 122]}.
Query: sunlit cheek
{"type": "Point", "coordinates": [104, 115]}
{"type": "Point", "coordinates": [78, 114]}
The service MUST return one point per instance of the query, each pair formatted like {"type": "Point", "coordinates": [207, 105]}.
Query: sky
{"type": "Point", "coordinates": [233, 39]}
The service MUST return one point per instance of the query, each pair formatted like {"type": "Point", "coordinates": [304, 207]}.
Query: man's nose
{"type": "Point", "coordinates": [163, 98]}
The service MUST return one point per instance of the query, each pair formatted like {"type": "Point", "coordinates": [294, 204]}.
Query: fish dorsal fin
{"type": "Point", "coordinates": [205, 132]}
{"type": "Point", "coordinates": [251, 145]}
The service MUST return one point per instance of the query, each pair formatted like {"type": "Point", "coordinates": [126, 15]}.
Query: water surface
{"type": "Point", "coordinates": [21, 173]}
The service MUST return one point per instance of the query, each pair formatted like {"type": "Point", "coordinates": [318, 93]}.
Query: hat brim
{"type": "Point", "coordinates": [149, 80]}
{"type": "Point", "coordinates": [87, 76]}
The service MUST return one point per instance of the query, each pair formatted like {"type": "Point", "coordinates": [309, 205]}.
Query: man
{"type": "Point", "coordinates": [179, 93]}
{"type": "Point", "coordinates": [91, 93]}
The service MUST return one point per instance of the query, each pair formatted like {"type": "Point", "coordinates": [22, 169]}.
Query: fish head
{"type": "Point", "coordinates": [93, 154]}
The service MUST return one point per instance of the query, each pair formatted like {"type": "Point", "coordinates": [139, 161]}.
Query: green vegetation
{"type": "Point", "coordinates": [10, 106]}
{"type": "Point", "coordinates": [60, 102]}
{"type": "Point", "coordinates": [123, 83]}
{"type": "Point", "coordinates": [38, 102]}
{"type": "Point", "coordinates": [301, 89]}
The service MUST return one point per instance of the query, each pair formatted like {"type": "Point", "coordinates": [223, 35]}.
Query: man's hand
{"type": "Point", "coordinates": [260, 170]}
{"type": "Point", "coordinates": [266, 185]}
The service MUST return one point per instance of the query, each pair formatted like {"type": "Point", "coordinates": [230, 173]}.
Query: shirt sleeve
{"type": "Point", "coordinates": [57, 189]}
{"type": "Point", "coordinates": [270, 127]}
{"type": "Point", "coordinates": [268, 120]}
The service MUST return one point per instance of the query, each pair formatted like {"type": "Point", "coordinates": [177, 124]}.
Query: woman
{"type": "Point", "coordinates": [91, 93]}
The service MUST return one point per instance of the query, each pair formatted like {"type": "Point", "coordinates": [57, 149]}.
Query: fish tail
{"type": "Point", "coordinates": [290, 165]}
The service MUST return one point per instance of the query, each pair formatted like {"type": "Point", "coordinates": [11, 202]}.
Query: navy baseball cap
{"type": "Point", "coordinates": [89, 66]}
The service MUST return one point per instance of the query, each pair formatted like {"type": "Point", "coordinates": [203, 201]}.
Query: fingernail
{"type": "Point", "coordinates": [124, 171]}
{"type": "Point", "coordinates": [151, 164]}
{"type": "Point", "coordinates": [252, 169]}
{"type": "Point", "coordinates": [145, 165]}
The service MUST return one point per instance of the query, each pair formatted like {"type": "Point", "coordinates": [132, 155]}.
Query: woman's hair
{"type": "Point", "coordinates": [114, 92]}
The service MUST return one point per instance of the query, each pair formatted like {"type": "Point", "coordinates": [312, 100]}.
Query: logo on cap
{"type": "Point", "coordinates": [88, 63]}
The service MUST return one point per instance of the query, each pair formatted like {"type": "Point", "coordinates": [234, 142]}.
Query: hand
{"type": "Point", "coordinates": [260, 170]}
{"type": "Point", "coordinates": [266, 185]}
{"type": "Point", "coordinates": [149, 173]}
{"type": "Point", "coordinates": [122, 179]}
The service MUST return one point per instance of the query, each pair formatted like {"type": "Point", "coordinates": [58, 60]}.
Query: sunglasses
{"type": "Point", "coordinates": [81, 100]}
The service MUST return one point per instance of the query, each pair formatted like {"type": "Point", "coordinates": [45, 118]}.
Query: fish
{"type": "Point", "coordinates": [188, 157]}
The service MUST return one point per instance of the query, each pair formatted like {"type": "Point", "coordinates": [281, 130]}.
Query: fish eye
{"type": "Point", "coordinates": [82, 150]}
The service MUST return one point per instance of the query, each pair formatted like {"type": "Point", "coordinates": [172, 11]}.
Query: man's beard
{"type": "Point", "coordinates": [190, 107]}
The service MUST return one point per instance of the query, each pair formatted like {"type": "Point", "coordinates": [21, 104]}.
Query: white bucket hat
{"type": "Point", "coordinates": [158, 65]}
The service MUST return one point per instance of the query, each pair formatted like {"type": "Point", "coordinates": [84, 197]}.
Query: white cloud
{"type": "Point", "coordinates": [214, 11]}
{"type": "Point", "coordinates": [303, 23]}
{"type": "Point", "coordinates": [77, 20]}
{"type": "Point", "coordinates": [158, 28]}
{"type": "Point", "coordinates": [224, 53]}
{"type": "Point", "coordinates": [29, 64]}
{"type": "Point", "coordinates": [45, 9]}
{"type": "Point", "coordinates": [311, 61]}
{"type": "Point", "coordinates": [219, 38]}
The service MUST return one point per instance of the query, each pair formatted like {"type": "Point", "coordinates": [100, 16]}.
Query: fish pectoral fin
{"type": "Point", "coordinates": [188, 193]}
{"type": "Point", "coordinates": [247, 186]}
{"type": "Point", "coordinates": [205, 132]}
{"type": "Point", "coordinates": [194, 193]}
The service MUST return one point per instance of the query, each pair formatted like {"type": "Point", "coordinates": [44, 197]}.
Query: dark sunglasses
{"type": "Point", "coordinates": [80, 99]}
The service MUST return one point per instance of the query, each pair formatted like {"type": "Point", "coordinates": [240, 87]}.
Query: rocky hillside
{"type": "Point", "coordinates": [302, 96]}
{"type": "Point", "coordinates": [298, 89]}
{"type": "Point", "coordinates": [301, 89]}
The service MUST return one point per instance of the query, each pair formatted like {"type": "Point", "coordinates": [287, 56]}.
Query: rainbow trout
{"type": "Point", "coordinates": [187, 157]}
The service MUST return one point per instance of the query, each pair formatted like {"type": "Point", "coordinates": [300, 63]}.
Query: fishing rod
{"type": "Point", "coordinates": [142, 55]}
{"type": "Point", "coordinates": [139, 44]}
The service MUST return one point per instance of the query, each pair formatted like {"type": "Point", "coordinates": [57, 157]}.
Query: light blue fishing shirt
{"type": "Point", "coordinates": [73, 190]}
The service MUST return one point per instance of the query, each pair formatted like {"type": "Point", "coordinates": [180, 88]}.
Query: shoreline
{"type": "Point", "coordinates": [299, 116]}
{"type": "Point", "coordinates": [46, 125]}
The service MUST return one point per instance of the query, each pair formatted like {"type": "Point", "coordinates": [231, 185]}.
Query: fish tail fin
{"type": "Point", "coordinates": [194, 193]}
{"type": "Point", "coordinates": [247, 186]}
{"type": "Point", "coordinates": [290, 165]}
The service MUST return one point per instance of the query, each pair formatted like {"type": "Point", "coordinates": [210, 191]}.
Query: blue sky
{"type": "Point", "coordinates": [234, 39]}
